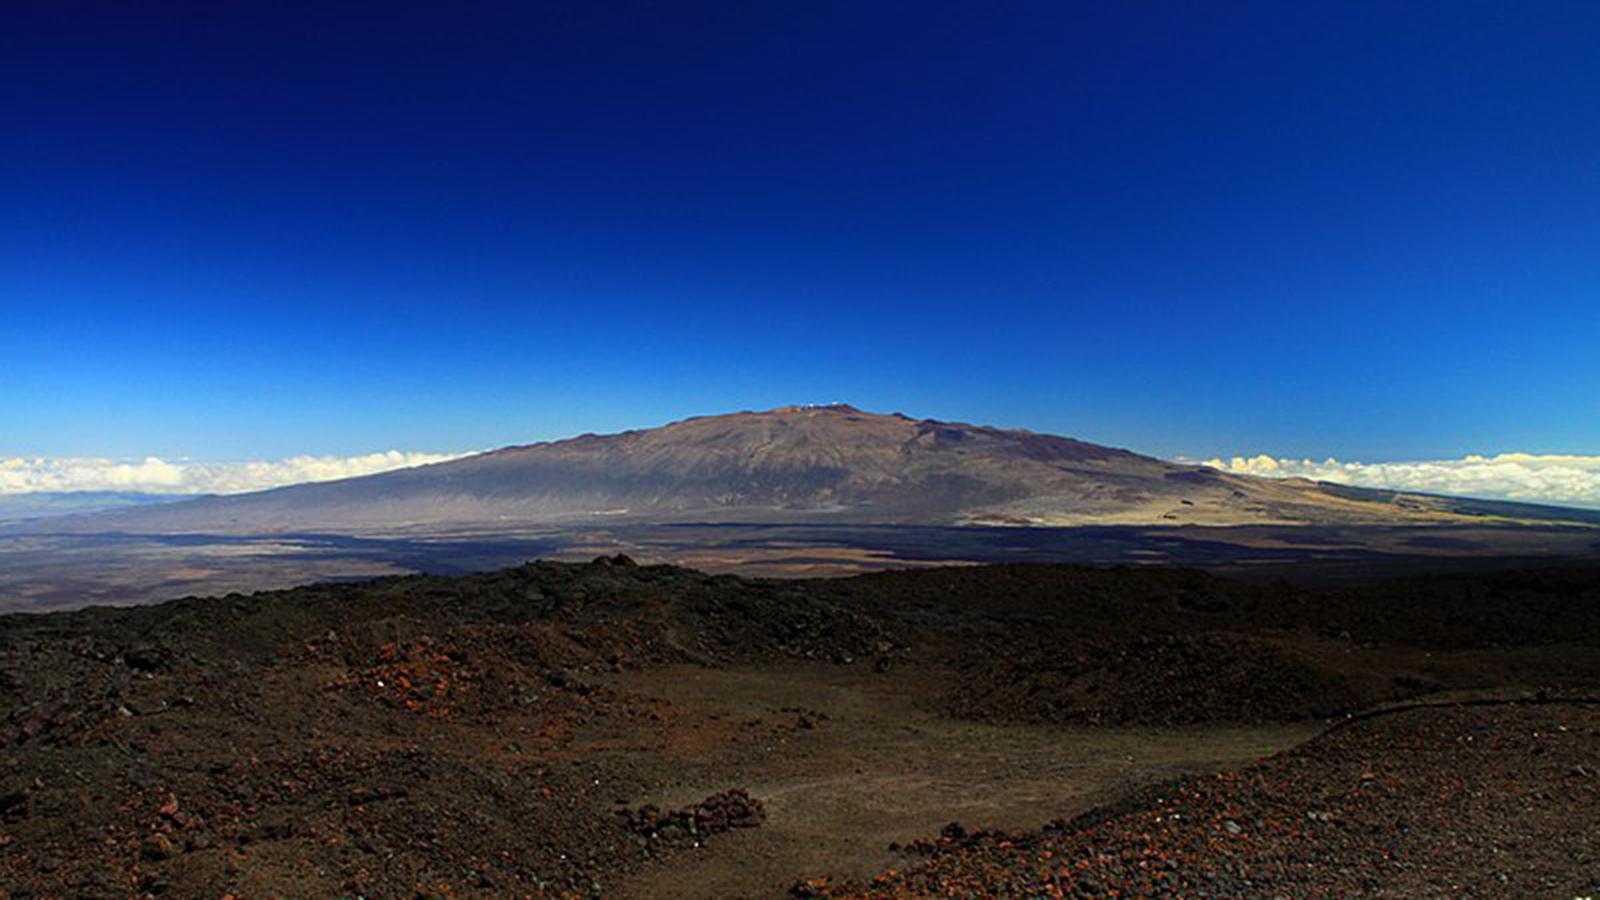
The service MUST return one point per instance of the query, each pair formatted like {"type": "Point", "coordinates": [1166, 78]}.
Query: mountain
{"type": "Point", "coordinates": [57, 503]}
{"type": "Point", "coordinates": [831, 463]}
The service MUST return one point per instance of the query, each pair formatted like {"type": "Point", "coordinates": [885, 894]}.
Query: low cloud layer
{"type": "Point", "coordinates": [1562, 480]}
{"type": "Point", "coordinates": [27, 475]}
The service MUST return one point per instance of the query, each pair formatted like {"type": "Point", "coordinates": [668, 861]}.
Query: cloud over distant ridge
{"type": "Point", "coordinates": [1529, 477]}
{"type": "Point", "coordinates": [152, 475]}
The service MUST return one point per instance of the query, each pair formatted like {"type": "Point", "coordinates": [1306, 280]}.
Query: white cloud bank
{"type": "Point", "coordinates": [1561, 480]}
{"type": "Point", "coordinates": [30, 475]}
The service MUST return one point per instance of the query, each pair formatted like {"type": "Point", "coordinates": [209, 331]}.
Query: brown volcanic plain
{"type": "Point", "coordinates": [609, 729]}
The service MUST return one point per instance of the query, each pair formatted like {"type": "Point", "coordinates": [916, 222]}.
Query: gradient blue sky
{"type": "Point", "coordinates": [1366, 230]}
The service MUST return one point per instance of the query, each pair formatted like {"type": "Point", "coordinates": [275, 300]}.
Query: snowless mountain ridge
{"type": "Point", "coordinates": [830, 463]}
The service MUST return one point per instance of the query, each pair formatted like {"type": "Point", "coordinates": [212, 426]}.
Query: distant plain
{"type": "Point", "coordinates": [49, 571]}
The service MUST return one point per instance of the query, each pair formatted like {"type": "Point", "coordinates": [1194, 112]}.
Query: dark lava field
{"type": "Point", "coordinates": [610, 729]}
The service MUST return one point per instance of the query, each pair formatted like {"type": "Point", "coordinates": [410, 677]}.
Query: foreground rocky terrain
{"type": "Point", "coordinates": [1494, 800]}
{"type": "Point", "coordinates": [621, 730]}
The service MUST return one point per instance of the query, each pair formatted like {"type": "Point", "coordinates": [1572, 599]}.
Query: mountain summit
{"type": "Point", "coordinates": [792, 464]}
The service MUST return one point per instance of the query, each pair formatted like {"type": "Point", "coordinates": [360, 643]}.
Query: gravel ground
{"type": "Point", "coordinates": [1489, 801]}
{"type": "Point", "coordinates": [506, 733]}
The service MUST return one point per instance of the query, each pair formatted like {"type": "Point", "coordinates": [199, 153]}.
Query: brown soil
{"type": "Point", "coordinates": [1485, 801]}
{"type": "Point", "coordinates": [611, 729]}
{"type": "Point", "coordinates": [849, 761]}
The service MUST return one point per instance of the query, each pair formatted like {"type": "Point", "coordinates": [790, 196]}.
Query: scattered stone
{"type": "Point", "coordinates": [147, 659]}
{"type": "Point", "coordinates": [14, 805]}
{"type": "Point", "coordinates": [157, 847]}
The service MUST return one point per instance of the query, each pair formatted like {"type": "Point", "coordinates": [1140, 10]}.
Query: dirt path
{"type": "Point", "coordinates": [849, 761]}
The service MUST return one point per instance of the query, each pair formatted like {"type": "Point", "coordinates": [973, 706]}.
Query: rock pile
{"type": "Point", "coordinates": [713, 815]}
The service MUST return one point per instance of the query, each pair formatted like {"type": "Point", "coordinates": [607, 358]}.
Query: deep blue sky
{"type": "Point", "coordinates": [1369, 230]}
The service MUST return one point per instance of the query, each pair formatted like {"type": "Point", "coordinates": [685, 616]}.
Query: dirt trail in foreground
{"type": "Point", "coordinates": [849, 762]}
{"type": "Point", "coordinates": [1481, 801]}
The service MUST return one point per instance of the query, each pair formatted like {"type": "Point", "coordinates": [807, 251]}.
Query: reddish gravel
{"type": "Point", "coordinates": [461, 736]}
{"type": "Point", "coordinates": [1492, 801]}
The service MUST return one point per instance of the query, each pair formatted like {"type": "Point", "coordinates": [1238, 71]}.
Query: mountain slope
{"type": "Point", "coordinates": [43, 504]}
{"type": "Point", "coordinates": [806, 463]}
